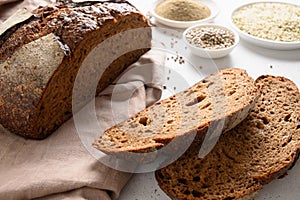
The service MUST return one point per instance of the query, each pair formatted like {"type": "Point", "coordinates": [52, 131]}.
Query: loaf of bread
{"type": "Point", "coordinates": [41, 56]}
{"type": "Point", "coordinates": [228, 94]}
{"type": "Point", "coordinates": [261, 148]}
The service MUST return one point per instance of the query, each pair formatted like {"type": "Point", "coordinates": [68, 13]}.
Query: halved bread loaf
{"type": "Point", "coordinates": [40, 59]}
{"type": "Point", "coordinates": [261, 148]}
{"type": "Point", "coordinates": [228, 94]}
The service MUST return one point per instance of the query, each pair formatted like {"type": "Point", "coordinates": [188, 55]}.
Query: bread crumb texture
{"type": "Point", "coordinates": [261, 148]}
{"type": "Point", "coordinates": [226, 94]}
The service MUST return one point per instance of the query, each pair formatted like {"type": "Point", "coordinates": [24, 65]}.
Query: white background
{"type": "Point", "coordinates": [256, 61]}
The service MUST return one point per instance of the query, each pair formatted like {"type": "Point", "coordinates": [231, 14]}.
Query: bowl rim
{"type": "Point", "coordinates": [258, 39]}
{"type": "Point", "coordinates": [212, 6]}
{"type": "Point", "coordinates": [236, 37]}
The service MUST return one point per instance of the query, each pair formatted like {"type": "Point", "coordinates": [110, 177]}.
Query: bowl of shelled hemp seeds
{"type": "Point", "coordinates": [184, 13]}
{"type": "Point", "coordinates": [273, 25]}
{"type": "Point", "coordinates": [210, 40]}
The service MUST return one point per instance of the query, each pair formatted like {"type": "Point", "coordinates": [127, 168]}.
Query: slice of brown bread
{"type": "Point", "coordinates": [41, 56]}
{"type": "Point", "coordinates": [228, 94]}
{"type": "Point", "coordinates": [261, 148]}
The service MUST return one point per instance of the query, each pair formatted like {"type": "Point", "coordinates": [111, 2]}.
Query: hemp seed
{"type": "Point", "coordinates": [210, 37]}
{"type": "Point", "coordinates": [269, 20]}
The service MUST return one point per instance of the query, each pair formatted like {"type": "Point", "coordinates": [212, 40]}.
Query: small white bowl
{"type": "Point", "coordinates": [211, 53]}
{"type": "Point", "coordinates": [185, 24]}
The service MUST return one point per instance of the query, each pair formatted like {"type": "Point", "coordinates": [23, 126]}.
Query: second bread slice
{"type": "Point", "coordinates": [228, 94]}
{"type": "Point", "coordinates": [261, 148]}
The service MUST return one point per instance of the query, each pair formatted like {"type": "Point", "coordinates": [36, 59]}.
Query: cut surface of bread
{"type": "Point", "coordinates": [261, 148]}
{"type": "Point", "coordinates": [228, 94]}
{"type": "Point", "coordinates": [40, 59]}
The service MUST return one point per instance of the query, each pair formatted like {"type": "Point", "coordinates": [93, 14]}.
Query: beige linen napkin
{"type": "Point", "coordinates": [2, 2]}
{"type": "Point", "coordinates": [60, 167]}
{"type": "Point", "coordinates": [9, 7]}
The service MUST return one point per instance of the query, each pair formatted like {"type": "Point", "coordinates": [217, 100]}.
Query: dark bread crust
{"type": "Point", "coordinates": [260, 149]}
{"type": "Point", "coordinates": [37, 100]}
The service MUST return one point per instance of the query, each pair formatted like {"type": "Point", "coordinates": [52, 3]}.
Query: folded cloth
{"type": "Point", "coordinates": [2, 2]}
{"type": "Point", "coordinates": [9, 7]}
{"type": "Point", "coordinates": [60, 167]}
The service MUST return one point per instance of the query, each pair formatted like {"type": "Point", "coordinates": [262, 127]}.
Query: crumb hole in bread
{"type": "Point", "coordinates": [160, 175]}
{"type": "Point", "coordinates": [196, 100]}
{"type": "Point", "coordinates": [124, 141]}
{"type": "Point", "coordinates": [182, 181]}
{"type": "Point", "coordinates": [287, 118]}
{"type": "Point", "coordinates": [172, 98]}
{"type": "Point", "coordinates": [206, 105]}
{"type": "Point", "coordinates": [196, 179]}
{"type": "Point", "coordinates": [229, 198]}
{"type": "Point", "coordinates": [201, 98]}
{"type": "Point", "coordinates": [289, 88]}
{"type": "Point", "coordinates": [265, 120]}
{"type": "Point", "coordinates": [170, 121]}
{"type": "Point", "coordinates": [231, 92]}
{"type": "Point", "coordinates": [288, 141]}
{"type": "Point", "coordinates": [298, 127]}
{"type": "Point", "coordinates": [195, 193]}
{"type": "Point", "coordinates": [204, 186]}
{"type": "Point", "coordinates": [144, 120]}
{"type": "Point", "coordinates": [186, 192]}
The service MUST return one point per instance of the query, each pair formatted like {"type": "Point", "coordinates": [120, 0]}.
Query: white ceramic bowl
{"type": "Point", "coordinates": [211, 53]}
{"type": "Point", "coordinates": [185, 24]}
{"type": "Point", "coordinates": [269, 44]}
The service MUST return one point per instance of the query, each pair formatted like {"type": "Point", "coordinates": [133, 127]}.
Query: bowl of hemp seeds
{"type": "Point", "coordinates": [210, 40]}
{"type": "Point", "coordinates": [268, 24]}
{"type": "Point", "coordinates": [183, 13]}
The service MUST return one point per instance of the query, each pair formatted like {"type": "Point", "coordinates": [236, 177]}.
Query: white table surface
{"type": "Point", "coordinates": [257, 61]}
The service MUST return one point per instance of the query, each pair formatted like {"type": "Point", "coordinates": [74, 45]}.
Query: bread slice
{"type": "Point", "coordinates": [228, 94]}
{"type": "Point", "coordinates": [261, 148]}
{"type": "Point", "coordinates": [40, 59]}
